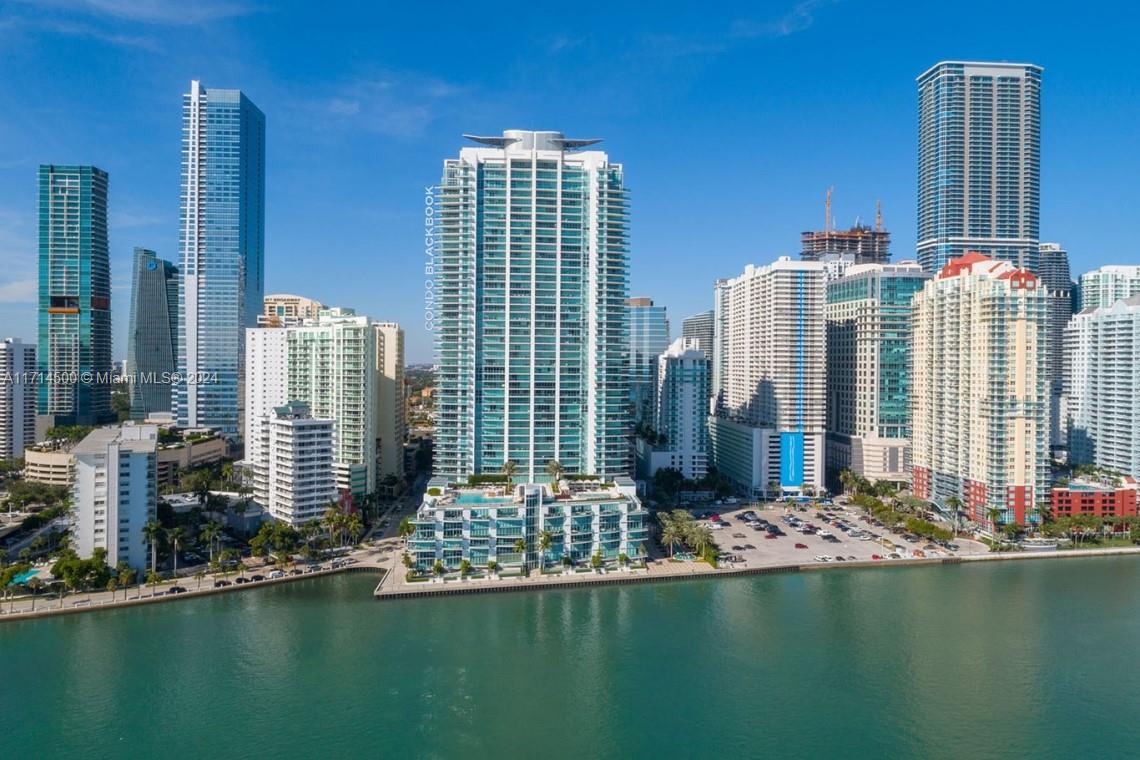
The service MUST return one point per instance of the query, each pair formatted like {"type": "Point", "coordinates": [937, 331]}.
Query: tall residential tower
{"type": "Point", "coordinates": [648, 339]}
{"type": "Point", "coordinates": [979, 162]}
{"type": "Point", "coordinates": [75, 296]}
{"type": "Point", "coordinates": [531, 335]}
{"type": "Point", "coordinates": [222, 247]}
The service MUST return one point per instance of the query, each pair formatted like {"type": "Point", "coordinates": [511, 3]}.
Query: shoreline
{"type": "Point", "coordinates": [705, 572]}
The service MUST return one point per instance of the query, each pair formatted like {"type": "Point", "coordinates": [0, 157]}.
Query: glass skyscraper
{"type": "Point", "coordinates": [222, 252]}
{"type": "Point", "coordinates": [531, 338]}
{"type": "Point", "coordinates": [979, 162]}
{"type": "Point", "coordinates": [152, 340]}
{"type": "Point", "coordinates": [648, 339]}
{"type": "Point", "coordinates": [74, 296]}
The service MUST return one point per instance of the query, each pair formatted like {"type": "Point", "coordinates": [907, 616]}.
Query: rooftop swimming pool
{"type": "Point", "coordinates": [478, 498]}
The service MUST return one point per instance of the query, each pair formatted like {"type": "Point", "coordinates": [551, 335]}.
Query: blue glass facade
{"type": "Point", "coordinates": [74, 296]}
{"type": "Point", "coordinates": [648, 339]}
{"type": "Point", "coordinates": [152, 338]}
{"type": "Point", "coordinates": [222, 252]}
{"type": "Point", "coordinates": [979, 162]}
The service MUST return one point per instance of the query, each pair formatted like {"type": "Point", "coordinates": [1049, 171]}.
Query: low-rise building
{"type": "Point", "coordinates": [191, 452]}
{"type": "Point", "coordinates": [481, 525]}
{"type": "Point", "coordinates": [48, 463]}
{"type": "Point", "coordinates": [1098, 499]}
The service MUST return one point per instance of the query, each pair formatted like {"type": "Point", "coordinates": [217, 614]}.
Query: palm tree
{"type": "Point", "coordinates": [1043, 516]}
{"type": "Point", "coordinates": [520, 548]}
{"type": "Point", "coordinates": [438, 567]}
{"type": "Point", "coordinates": [545, 541]}
{"type": "Point", "coordinates": [228, 473]}
{"type": "Point", "coordinates": [332, 522]}
{"type": "Point", "coordinates": [211, 532]}
{"type": "Point", "coordinates": [509, 468]}
{"type": "Point", "coordinates": [176, 537]}
{"type": "Point", "coordinates": [555, 470]}
{"type": "Point", "coordinates": [407, 529]}
{"type": "Point", "coordinates": [354, 527]}
{"type": "Point", "coordinates": [113, 586]}
{"type": "Point", "coordinates": [199, 575]}
{"type": "Point", "coordinates": [699, 537]}
{"type": "Point", "coordinates": [954, 504]}
{"type": "Point", "coordinates": [993, 514]}
{"type": "Point", "coordinates": [152, 579]}
{"type": "Point", "coordinates": [671, 533]}
{"type": "Point", "coordinates": [152, 532]}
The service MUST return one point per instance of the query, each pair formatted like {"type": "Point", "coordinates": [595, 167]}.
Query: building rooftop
{"type": "Point", "coordinates": [141, 438]}
{"type": "Point", "coordinates": [569, 490]}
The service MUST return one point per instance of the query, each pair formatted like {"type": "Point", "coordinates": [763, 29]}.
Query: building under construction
{"type": "Point", "coordinates": [869, 245]}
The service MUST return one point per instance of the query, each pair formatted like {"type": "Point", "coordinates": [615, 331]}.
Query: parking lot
{"type": "Point", "coordinates": [822, 536]}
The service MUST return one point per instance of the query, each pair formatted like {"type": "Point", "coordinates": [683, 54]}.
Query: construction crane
{"type": "Point", "coordinates": [878, 216]}
{"type": "Point", "coordinates": [827, 211]}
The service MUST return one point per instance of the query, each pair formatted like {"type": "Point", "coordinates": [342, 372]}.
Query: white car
{"type": "Point", "coordinates": [823, 558]}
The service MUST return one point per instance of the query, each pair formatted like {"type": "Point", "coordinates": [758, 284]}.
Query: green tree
{"type": "Point", "coordinates": [464, 567]}
{"type": "Point", "coordinates": [520, 548]}
{"type": "Point", "coordinates": [407, 529]}
{"type": "Point", "coordinates": [596, 561]}
{"type": "Point", "coordinates": [153, 533]}
{"type": "Point", "coordinates": [672, 533]}
{"type": "Point", "coordinates": [176, 537]}
{"type": "Point", "coordinates": [211, 533]}
{"type": "Point", "coordinates": [555, 470]}
{"type": "Point", "coordinates": [545, 541]}
{"type": "Point", "coordinates": [152, 580]}
{"type": "Point", "coordinates": [438, 568]}
{"type": "Point", "coordinates": [509, 469]}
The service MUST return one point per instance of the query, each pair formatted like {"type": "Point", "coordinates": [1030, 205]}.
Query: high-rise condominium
{"type": "Point", "coordinates": [75, 296]}
{"type": "Point", "coordinates": [1107, 285]}
{"type": "Point", "coordinates": [391, 409]}
{"type": "Point", "coordinates": [767, 434]}
{"type": "Point", "coordinates": [681, 418]}
{"type": "Point", "coordinates": [648, 338]}
{"type": "Point", "coordinates": [152, 342]}
{"type": "Point", "coordinates": [1102, 386]}
{"type": "Point", "coordinates": [222, 248]}
{"type": "Point", "coordinates": [868, 372]}
{"type": "Point", "coordinates": [979, 162]}
{"type": "Point", "coordinates": [1055, 278]}
{"type": "Point", "coordinates": [699, 327]}
{"type": "Point", "coordinates": [979, 396]}
{"type": "Point", "coordinates": [17, 397]}
{"type": "Point", "coordinates": [292, 478]}
{"type": "Point", "coordinates": [114, 492]}
{"type": "Point", "coordinates": [531, 331]}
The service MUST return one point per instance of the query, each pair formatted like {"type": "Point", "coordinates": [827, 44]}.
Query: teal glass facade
{"type": "Point", "coordinates": [74, 296]}
{"type": "Point", "coordinates": [222, 270]}
{"type": "Point", "coordinates": [531, 277]}
{"type": "Point", "coordinates": [152, 338]}
{"type": "Point", "coordinates": [979, 162]}
{"type": "Point", "coordinates": [648, 339]}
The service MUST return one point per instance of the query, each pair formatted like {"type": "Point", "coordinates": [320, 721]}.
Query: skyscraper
{"type": "Point", "coordinates": [979, 162]}
{"type": "Point", "coordinates": [291, 470]}
{"type": "Point", "coordinates": [979, 397]}
{"type": "Point", "coordinates": [531, 334]}
{"type": "Point", "coordinates": [1102, 386]}
{"type": "Point", "coordinates": [767, 434]}
{"type": "Point", "coordinates": [1055, 278]}
{"type": "Point", "coordinates": [1107, 285]}
{"type": "Point", "coordinates": [222, 248]}
{"type": "Point", "coordinates": [699, 327]}
{"type": "Point", "coordinates": [868, 369]}
{"type": "Point", "coordinates": [391, 411]}
{"type": "Point", "coordinates": [864, 243]}
{"type": "Point", "coordinates": [152, 342]}
{"type": "Point", "coordinates": [648, 338]}
{"type": "Point", "coordinates": [17, 397]}
{"type": "Point", "coordinates": [75, 296]}
{"type": "Point", "coordinates": [681, 418]}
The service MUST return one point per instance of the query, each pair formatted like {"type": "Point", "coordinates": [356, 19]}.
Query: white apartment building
{"type": "Point", "coordinates": [1102, 386]}
{"type": "Point", "coordinates": [979, 390]}
{"type": "Point", "coordinates": [681, 416]}
{"type": "Point", "coordinates": [391, 406]}
{"type": "Point", "coordinates": [1107, 285]}
{"type": "Point", "coordinates": [292, 476]}
{"type": "Point", "coordinates": [17, 397]}
{"type": "Point", "coordinates": [767, 430]}
{"type": "Point", "coordinates": [115, 492]}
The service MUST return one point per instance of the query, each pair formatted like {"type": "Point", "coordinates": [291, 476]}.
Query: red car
{"type": "Point", "coordinates": [875, 556]}
{"type": "Point", "coordinates": [801, 546]}
{"type": "Point", "coordinates": [714, 517]}
{"type": "Point", "coordinates": [770, 535]}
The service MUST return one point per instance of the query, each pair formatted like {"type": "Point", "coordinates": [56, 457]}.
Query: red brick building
{"type": "Point", "coordinates": [1095, 499]}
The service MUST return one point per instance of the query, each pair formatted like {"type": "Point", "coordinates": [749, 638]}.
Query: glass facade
{"type": "Point", "coordinates": [648, 339]}
{"type": "Point", "coordinates": [979, 162]}
{"type": "Point", "coordinates": [222, 252]}
{"type": "Point", "coordinates": [152, 339]}
{"type": "Point", "coordinates": [74, 295]}
{"type": "Point", "coordinates": [531, 278]}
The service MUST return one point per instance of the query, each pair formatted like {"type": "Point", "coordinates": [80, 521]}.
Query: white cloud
{"type": "Point", "coordinates": [161, 12]}
{"type": "Point", "coordinates": [798, 19]}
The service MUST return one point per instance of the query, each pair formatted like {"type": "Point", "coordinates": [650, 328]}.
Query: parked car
{"type": "Point", "coordinates": [221, 584]}
{"type": "Point", "coordinates": [770, 535]}
{"type": "Point", "coordinates": [801, 546]}
{"type": "Point", "coordinates": [176, 590]}
{"type": "Point", "coordinates": [822, 558]}
{"type": "Point", "coordinates": [241, 579]}
{"type": "Point", "coordinates": [258, 577]}
{"type": "Point", "coordinates": [277, 574]}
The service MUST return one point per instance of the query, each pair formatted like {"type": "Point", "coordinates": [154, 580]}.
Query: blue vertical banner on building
{"type": "Point", "coordinates": [791, 460]}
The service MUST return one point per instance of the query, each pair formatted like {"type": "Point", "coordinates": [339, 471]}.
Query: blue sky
{"type": "Point", "coordinates": [731, 122]}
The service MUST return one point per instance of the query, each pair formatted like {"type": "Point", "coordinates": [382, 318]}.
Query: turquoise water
{"type": "Point", "coordinates": [1012, 659]}
{"type": "Point", "coordinates": [478, 498]}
